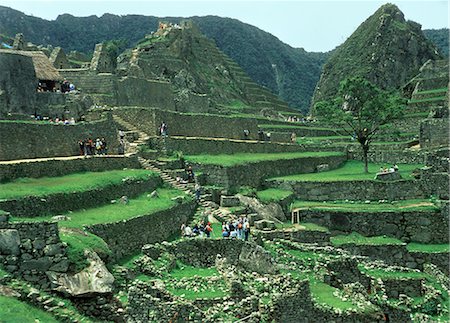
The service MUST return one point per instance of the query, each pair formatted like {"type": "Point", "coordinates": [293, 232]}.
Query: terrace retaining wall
{"type": "Point", "coordinates": [354, 190]}
{"type": "Point", "coordinates": [191, 125]}
{"type": "Point", "coordinates": [31, 206]}
{"type": "Point", "coordinates": [129, 236]}
{"type": "Point", "coordinates": [424, 227]}
{"type": "Point", "coordinates": [54, 167]}
{"type": "Point", "coordinates": [197, 146]}
{"type": "Point", "coordinates": [29, 250]}
{"type": "Point", "coordinates": [33, 140]}
{"type": "Point", "coordinates": [251, 174]}
{"type": "Point", "coordinates": [400, 256]}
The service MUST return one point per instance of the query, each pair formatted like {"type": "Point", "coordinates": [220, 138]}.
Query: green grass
{"type": "Point", "coordinates": [245, 158]}
{"type": "Point", "coordinates": [189, 271]}
{"type": "Point", "coordinates": [272, 195]}
{"type": "Point", "coordinates": [398, 206]}
{"type": "Point", "coordinates": [358, 239]}
{"type": "Point", "coordinates": [12, 311]}
{"type": "Point", "coordinates": [352, 170]}
{"type": "Point", "coordinates": [69, 183]}
{"type": "Point", "coordinates": [391, 274]}
{"type": "Point", "coordinates": [442, 89]}
{"type": "Point", "coordinates": [428, 248]}
{"type": "Point", "coordinates": [141, 205]}
{"type": "Point", "coordinates": [305, 139]}
{"type": "Point", "coordinates": [324, 294]}
{"type": "Point", "coordinates": [437, 98]}
{"type": "Point", "coordinates": [77, 242]}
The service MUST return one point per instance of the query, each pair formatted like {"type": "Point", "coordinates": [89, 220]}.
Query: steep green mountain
{"type": "Point", "coordinates": [385, 49]}
{"type": "Point", "coordinates": [439, 37]}
{"type": "Point", "coordinates": [288, 72]}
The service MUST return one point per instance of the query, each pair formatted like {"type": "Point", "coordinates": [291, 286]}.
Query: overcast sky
{"type": "Point", "coordinates": [313, 25]}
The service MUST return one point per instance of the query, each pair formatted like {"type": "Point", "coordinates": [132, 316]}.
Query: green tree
{"type": "Point", "coordinates": [359, 110]}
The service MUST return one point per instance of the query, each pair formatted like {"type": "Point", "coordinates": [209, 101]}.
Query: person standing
{"type": "Point", "coordinates": [246, 229]}
{"type": "Point", "coordinates": [198, 189]}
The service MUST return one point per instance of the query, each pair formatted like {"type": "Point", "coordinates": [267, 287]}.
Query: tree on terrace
{"type": "Point", "coordinates": [359, 110]}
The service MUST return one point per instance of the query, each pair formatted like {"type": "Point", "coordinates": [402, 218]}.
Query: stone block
{"type": "Point", "coordinates": [9, 242]}
{"type": "Point", "coordinates": [229, 201]}
{"type": "Point", "coordinates": [265, 225]}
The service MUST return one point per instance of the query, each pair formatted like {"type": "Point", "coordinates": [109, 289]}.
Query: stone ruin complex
{"type": "Point", "coordinates": [383, 261]}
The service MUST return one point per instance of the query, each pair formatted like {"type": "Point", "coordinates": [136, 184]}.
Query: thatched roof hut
{"type": "Point", "coordinates": [42, 65]}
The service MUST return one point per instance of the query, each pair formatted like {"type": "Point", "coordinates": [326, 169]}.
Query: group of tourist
{"type": "Point", "coordinates": [199, 230]}
{"type": "Point", "coordinates": [236, 229]}
{"type": "Point", "coordinates": [90, 147]}
{"type": "Point", "coordinates": [297, 119]}
{"type": "Point", "coordinates": [57, 120]}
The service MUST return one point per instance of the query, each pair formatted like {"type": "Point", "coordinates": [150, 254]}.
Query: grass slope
{"type": "Point", "coordinates": [352, 170]}
{"type": "Point", "coordinates": [141, 205]}
{"type": "Point", "coordinates": [12, 311]}
{"type": "Point", "coordinates": [69, 183]}
{"type": "Point", "coordinates": [272, 195]}
{"type": "Point", "coordinates": [358, 239]}
{"type": "Point", "coordinates": [245, 158]}
{"type": "Point", "coordinates": [398, 206]}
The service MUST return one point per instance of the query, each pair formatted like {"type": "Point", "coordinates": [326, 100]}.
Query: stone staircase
{"type": "Point", "coordinates": [205, 206]}
{"type": "Point", "coordinates": [131, 147]}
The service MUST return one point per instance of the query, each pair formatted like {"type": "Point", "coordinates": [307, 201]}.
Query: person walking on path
{"type": "Point", "coordinates": [198, 190]}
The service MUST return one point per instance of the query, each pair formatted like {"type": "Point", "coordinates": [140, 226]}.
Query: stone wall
{"type": "Point", "coordinates": [293, 305]}
{"type": "Point", "coordinates": [251, 174]}
{"type": "Point", "coordinates": [424, 227]}
{"type": "Point", "coordinates": [298, 235]}
{"type": "Point", "coordinates": [127, 237]}
{"type": "Point", "coordinates": [197, 146]}
{"type": "Point", "coordinates": [147, 93]}
{"type": "Point", "coordinates": [203, 253]}
{"type": "Point", "coordinates": [18, 84]}
{"type": "Point", "coordinates": [60, 167]}
{"type": "Point", "coordinates": [400, 256]}
{"type": "Point", "coordinates": [29, 250]}
{"type": "Point", "coordinates": [31, 206]}
{"type": "Point", "coordinates": [32, 140]}
{"type": "Point", "coordinates": [390, 156]}
{"type": "Point", "coordinates": [191, 125]}
{"type": "Point", "coordinates": [354, 190]}
{"type": "Point", "coordinates": [434, 132]}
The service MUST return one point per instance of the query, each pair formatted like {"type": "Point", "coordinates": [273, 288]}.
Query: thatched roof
{"type": "Point", "coordinates": [42, 65]}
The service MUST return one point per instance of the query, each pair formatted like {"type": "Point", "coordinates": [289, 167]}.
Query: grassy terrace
{"type": "Point", "coordinates": [352, 170]}
{"type": "Point", "coordinates": [272, 195]}
{"type": "Point", "coordinates": [390, 274]}
{"type": "Point", "coordinates": [288, 126]}
{"type": "Point", "coordinates": [358, 239]}
{"type": "Point", "coordinates": [428, 248]}
{"type": "Point", "coordinates": [12, 310]}
{"type": "Point", "coordinates": [69, 183]}
{"type": "Point", "coordinates": [351, 206]}
{"type": "Point", "coordinates": [304, 225]}
{"type": "Point", "coordinates": [437, 98]}
{"type": "Point", "coordinates": [440, 90]}
{"type": "Point", "coordinates": [141, 205]}
{"type": "Point", "coordinates": [245, 158]}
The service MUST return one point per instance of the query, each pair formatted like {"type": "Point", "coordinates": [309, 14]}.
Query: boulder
{"type": "Point", "coordinates": [9, 242]}
{"type": "Point", "coordinates": [265, 225]}
{"type": "Point", "coordinates": [91, 281]}
{"type": "Point", "coordinates": [257, 259]}
{"type": "Point", "coordinates": [272, 211]}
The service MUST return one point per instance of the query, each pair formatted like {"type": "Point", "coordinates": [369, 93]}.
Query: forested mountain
{"type": "Point", "coordinates": [289, 72]}
{"type": "Point", "coordinates": [439, 37]}
{"type": "Point", "coordinates": [385, 49]}
{"type": "Point", "coordinates": [292, 73]}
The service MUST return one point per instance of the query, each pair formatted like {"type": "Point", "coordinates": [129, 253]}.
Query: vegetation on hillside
{"type": "Point", "coordinates": [359, 110]}
{"type": "Point", "coordinates": [439, 37]}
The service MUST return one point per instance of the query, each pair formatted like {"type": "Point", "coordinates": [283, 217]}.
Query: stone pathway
{"type": "Point", "coordinates": [205, 206]}
{"type": "Point", "coordinates": [132, 147]}
{"type": "Point", "coordinates": [32, 160]}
